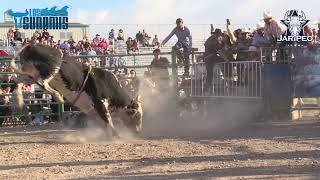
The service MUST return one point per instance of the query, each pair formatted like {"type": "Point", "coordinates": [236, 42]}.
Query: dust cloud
{"type": "Point", "coordinates": [222, 116]}
{"type": "Point", "coordinates": [164, 117]}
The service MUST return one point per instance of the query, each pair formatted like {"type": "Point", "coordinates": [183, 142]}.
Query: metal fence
{"type": "Point", "coordinates": [233, 79]}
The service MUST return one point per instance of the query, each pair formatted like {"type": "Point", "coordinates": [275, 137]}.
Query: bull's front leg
{"type": "Point", "coordinates": [55, 94]}
{"type": "Point", "coordinates": [107, 113]}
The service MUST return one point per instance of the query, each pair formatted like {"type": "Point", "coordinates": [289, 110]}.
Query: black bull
{"type": "Point", "coordinates": [94, 91]}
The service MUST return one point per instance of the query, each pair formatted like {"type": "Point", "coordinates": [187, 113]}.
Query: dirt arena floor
{"type": "Point", "coordinates": [278, 150]}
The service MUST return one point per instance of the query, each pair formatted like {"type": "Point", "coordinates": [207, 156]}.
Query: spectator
{"type": "Point", "coordinates": [259, 40]}
{"type": "Point", "coordinates": [121, 35]}
{"type": "Point", "coordinates": [184, 41]}
{"type": "Point", "coordinates": [112, 37]}
{"type": "Point", "coordinates": [159, 69]}
{"type": "Point", "coordinates": [65, 46]}
{"type": "Point", "coordinates": [26, 41]}
{"type": "Point", "coordinates": [126, 81]}
{"type": "Point", "coordinates": [8, 84]}
{"type": "Point", "coordinates": [133, 73]}
{"type": "Point", "coordinates": [243, 43]}
{"type": "Point", "coordinates": [213, 54]}
{"type": "Point", "coordinates": [85, 42]}
{"type": "Point", "coordinates": [17, 35]}
{"type": "Point", "coordinates": [91, 52]}
{"type": "Point", "coordinates": [10, 35]}
{"type": "Point", "coordinates": [272, 28]}
{"type": "Point", "coordinates": [116, 73]}
{"type": "Point", "coordinates": [35, 37]}
{"type": "Point", "coordinates": [155, 41]}
{"type": "Point", "coordinates": [97, 39]}
{"type": "Point", "coordinates": [104, 44]}
{"type": "Point", "coordinates": [139, 37]}
{"type": "Point", "coordinates": [71, 40]}
{"type": "Point", "coordinates": [135, 45]}
{"type": "Point", "coordinates": [129, 44]}
{"type": "Point", "coordinates": [146, 38]}
{"type": "Point", "coordinates": [45, 34]}
{"type": "Point", "coordinates": [253, 53]}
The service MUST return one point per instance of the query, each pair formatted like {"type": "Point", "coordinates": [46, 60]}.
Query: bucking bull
{"type": "Point", "coordinates": [94, 91]}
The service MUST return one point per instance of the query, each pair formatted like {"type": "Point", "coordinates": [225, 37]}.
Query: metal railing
{"type": "Point", "coordinates": [234, 79]}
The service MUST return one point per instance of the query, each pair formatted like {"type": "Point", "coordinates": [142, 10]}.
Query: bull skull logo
{"type": "Point", "coordinates": [295, 22]}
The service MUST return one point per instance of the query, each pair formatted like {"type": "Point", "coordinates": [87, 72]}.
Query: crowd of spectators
{"type": "Point", "coordinates": [100, 45]}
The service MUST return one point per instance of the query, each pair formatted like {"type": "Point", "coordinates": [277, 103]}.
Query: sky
{"type": "Point", "coordinates": [103, 15]}
{"type": "Point", "coordinates": [166, 11]}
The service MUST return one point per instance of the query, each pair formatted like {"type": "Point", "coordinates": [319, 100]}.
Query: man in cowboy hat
{"type": "Point", "coordinates": [213, 54]}
{"type": "Point", "coordinates": [243, 43]}
{"type": "Point", "coordinates": [273, 27]}
{"type": "Point", "coordinates": [259, 39]}
{"type": "Point", "coordinates": [253, 53]}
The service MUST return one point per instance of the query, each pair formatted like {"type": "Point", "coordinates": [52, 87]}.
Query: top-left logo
{"type": "Point", "coordinates": [46, 18]}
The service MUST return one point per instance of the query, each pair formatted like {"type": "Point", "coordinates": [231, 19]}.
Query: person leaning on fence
{"type": "Point", "coordinates": [159, 69]}
{"type": "Point", "coordinates": [184, 41]}
{"type": "Point", "coordinates": [259, 39]}
{"type": "Point", "coordinates": [272, 28]}
{"type": "Point", "coordinates": [213, 54]}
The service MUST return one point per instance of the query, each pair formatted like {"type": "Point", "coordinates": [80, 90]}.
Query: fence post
{"type": "Point", "coordinates": [60, 111]}
{"type": "Point", "coordinates": [174, 73]}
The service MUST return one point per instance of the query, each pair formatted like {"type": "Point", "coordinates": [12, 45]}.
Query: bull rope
{"type": "Point", "coordinates": [83, 84]}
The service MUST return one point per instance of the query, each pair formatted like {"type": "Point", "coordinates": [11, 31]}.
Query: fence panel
{"type": "Point", "coordinates": [233, 79]}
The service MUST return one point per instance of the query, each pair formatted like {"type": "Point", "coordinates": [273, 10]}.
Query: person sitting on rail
{"type": "Point", "coordinates": [184, 42]}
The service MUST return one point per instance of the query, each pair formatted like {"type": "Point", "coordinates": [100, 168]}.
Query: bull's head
{"type": "Point", "coordinates": [133, 115]}
{"type": "Point", "coordinates": [39, 63]}
{"type": "Point", "coordinates": [295, 21]}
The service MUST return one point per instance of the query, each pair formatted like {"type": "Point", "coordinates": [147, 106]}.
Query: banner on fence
{"type": "Point", "coordinates": [306, 74]}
